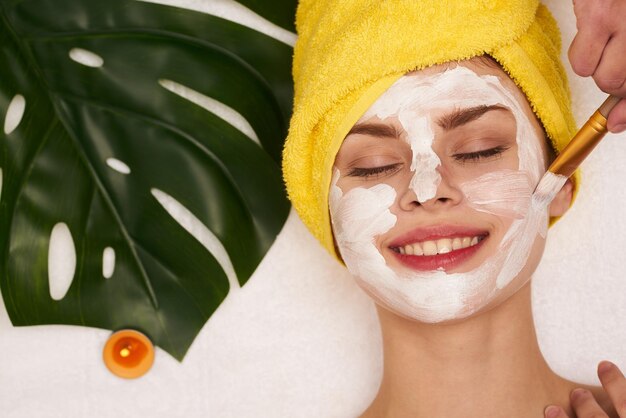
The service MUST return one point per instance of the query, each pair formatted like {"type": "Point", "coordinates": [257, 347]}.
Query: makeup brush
{"type": "Point", "coordinates": [584, 141]}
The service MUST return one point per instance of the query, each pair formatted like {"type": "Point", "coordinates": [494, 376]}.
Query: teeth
{"type": "Point", "coordinates": [442, 246]}
{"type": "Point", "coordinates": [430, 247]}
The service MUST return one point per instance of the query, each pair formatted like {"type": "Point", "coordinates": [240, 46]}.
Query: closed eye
{"type": "Point", "coordinates": [368, 172]}
{"type": "Point", "coordinates": [476, 156]}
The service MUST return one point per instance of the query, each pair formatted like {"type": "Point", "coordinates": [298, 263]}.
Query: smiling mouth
{"type": "Point", "coordinates": [440, 254]}
{"type": "Point", "coordinates": [440, 246]}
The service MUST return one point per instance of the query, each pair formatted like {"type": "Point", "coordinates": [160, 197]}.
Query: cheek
{"type": "Point", "coordinates": [504, 193]}
{"type": "Point", "coordinates": [360, 214]}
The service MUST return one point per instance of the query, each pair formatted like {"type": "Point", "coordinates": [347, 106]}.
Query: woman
{"type": "Point", "coordinates": [421, 132]}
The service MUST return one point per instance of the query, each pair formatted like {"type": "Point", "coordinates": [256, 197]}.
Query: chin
{"type": "Point", "coordinates": [415, 300]}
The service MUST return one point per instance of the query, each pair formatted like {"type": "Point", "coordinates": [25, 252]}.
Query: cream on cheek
{"type": "Point", "coordinates": [358, 218]}
{"type": "Point", "coordinates": [361, 215]}
{"type": "Point", "coordinates": [504, 193]}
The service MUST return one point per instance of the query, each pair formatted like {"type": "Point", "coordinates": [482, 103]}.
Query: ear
{"type": "Point", "coordinates": [562, 200]}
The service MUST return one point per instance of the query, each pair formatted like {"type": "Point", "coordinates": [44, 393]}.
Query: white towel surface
{"type": "Point", "coordinates": [301, 340]}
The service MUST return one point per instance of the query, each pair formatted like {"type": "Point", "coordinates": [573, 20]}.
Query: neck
{"type": "Point", "coordinates": [489, 365]}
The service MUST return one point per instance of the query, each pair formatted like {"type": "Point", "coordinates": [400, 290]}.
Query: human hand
{"type": "Point", "coordinates": [585, 405]}
{"type": "Point", "coordinates": [599, 50]}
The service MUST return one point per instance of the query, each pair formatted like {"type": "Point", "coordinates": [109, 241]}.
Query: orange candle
{"type": "Point", "coordinates": [128, 354]}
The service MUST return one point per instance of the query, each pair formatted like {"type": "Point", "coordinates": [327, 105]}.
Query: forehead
{"type": "Point", "coordinates": [416, 103]}
{"type": "Point", "coordinates": [458, 85]}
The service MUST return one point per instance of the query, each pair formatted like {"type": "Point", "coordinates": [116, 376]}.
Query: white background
{"type": "Point", "coordinates": [301, 340]}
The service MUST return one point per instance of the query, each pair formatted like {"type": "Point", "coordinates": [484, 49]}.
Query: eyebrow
{"type": "Point", "coordinates": [448, 122]}
{"type": "Point", "coordinates": [461, 117]}
{"type": "Point", "coordinates": [375, 129]}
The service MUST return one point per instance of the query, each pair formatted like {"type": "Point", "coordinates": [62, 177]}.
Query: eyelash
{"type": "Point", "coordinates": [465, 157]}
{"type": "Point", "coordinates": [374, 171]}
{"type": "Point", "coordinates": [478, 155]}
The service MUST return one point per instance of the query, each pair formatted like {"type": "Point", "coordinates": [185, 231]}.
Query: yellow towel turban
{"type": "Point", "coordinates": [350, 51]}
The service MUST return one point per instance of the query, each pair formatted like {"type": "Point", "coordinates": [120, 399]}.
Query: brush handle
{"type": "Point", "coordinates": [608, 105]}
{"type": "Point", "coordinates": [584, 141]}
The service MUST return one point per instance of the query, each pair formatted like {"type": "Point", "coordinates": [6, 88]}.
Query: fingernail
{"type": "Point", "coordinates": [552, 411]}
{"type": "Point", "coordinates": [604, 366]}
{"type": "Point", "coordinates": [619, 128]}
{"type": "Point", "coordinates": [576, 393]}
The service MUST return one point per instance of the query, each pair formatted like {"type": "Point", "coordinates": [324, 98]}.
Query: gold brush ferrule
{"type": "Point", "coordinates": [580, 146]}
{"type": "Point", "coordinates": [584, 141]}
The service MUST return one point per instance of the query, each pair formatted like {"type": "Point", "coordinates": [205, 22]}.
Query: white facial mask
{"type": "Point", "coordinates": [361, 215]}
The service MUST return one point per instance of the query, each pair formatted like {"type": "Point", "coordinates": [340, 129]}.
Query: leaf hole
{"type": "Point", "coordinates": [108, 262]}
{"type": "Point", "coordinates": [15, 112]}
{"type": "Point", "coordinates": [218, 108]}
{"type": "Point", "coordinates": [118, 165]}
{"type": "Point", "coordinates": [61, 261]}
{"type": "Point", "coordinates": [234, 12]}
{"type": "Point", "coordinates": [199, 231]}
{"type": "Point", "coordinates": [87, 58]}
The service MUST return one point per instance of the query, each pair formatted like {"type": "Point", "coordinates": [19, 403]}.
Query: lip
{"type": "Point", "coordinates": [448, 261]}
{"type": "Point", "coordinates": [435, 232]}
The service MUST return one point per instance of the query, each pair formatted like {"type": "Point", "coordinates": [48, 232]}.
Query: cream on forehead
{"type": "Point", "coordinates": [435, 296]}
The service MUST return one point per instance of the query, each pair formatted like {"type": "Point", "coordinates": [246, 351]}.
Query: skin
{"type": "Point", "coordinates": [598, 51]}
{"type": "Point", "coordinates": [488, 364]}
{"type": "Point", "coordinates": [369, 158]}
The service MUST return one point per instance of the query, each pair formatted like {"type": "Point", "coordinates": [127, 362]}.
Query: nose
{"type": "Point", "coordinates": [447, 194]}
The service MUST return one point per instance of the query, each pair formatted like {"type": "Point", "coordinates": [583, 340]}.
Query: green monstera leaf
{"type": "Point", "coordinates": [144, 141]}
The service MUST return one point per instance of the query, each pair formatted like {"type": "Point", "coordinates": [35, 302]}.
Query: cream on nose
{"type": "Point", "coordinates": [424, 160]}
{"type": "Point", "coordinates": [447, 189]}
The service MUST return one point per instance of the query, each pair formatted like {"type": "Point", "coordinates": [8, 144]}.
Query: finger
{"type": "Point", "coordinates": [614, 384]}
{"type": "Point", "coordinates": [616, 122]}
{"type": "Point", "coordinates": [585, 404]}
{"type": "Point", "coordinates": [610, 74]}
{"type": "Point", "coordinates": [586, 49]}
{"type": "Point", "coordinates": [554, 411]}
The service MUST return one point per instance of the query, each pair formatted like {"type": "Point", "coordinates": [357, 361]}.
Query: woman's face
{"type": "Point", "coordinates": [432, 198]}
